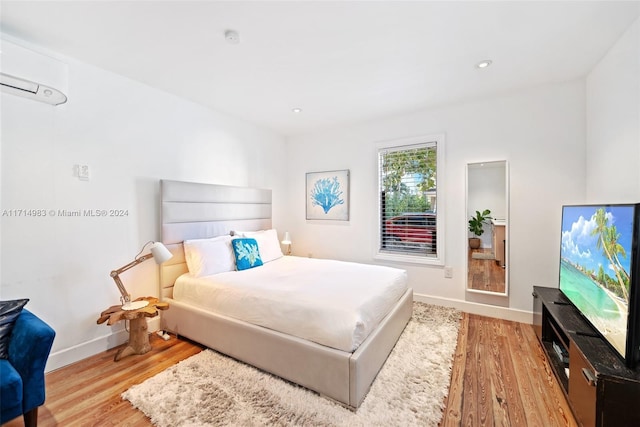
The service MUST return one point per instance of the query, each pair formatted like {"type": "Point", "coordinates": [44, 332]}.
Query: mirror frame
{"type": "Point", "coordinates": [507, 241]}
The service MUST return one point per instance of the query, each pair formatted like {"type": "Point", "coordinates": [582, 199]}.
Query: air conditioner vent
{"type": "Point", "coordinates": [28, 89]}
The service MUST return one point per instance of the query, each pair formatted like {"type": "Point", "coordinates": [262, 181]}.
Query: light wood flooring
{"type": "Point", "coordinates": [485, 274]}
{"type": "Point", "coordinates": [500, 377]}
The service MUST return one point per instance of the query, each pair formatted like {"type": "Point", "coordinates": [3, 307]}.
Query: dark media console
{"type": "Point", "coordinates": [600, 389]}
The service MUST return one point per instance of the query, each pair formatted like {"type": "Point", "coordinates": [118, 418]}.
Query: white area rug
{"type": "Point", "coordinates": [210, 389]}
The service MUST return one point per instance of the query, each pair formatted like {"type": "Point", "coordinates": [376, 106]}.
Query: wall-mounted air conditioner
{"type": "Point", "coordinates": [28, 89]}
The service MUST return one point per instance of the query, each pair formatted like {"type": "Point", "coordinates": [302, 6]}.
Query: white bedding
{"type": "Point", "coordinates": [329, 302]}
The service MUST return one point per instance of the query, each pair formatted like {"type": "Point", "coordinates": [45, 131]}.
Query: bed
{"type": "Point", "coordinates": [342, 370]}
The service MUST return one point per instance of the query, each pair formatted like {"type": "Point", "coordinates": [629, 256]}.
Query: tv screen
{"type": "Point", "coordinates": [599, 268]}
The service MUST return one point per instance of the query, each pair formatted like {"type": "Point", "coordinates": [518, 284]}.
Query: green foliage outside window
{"type": "Point", "coordinates": [407, 176]}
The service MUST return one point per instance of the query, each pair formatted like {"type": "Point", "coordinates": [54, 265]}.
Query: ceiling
{"type": "Point", "coordinates": [341, 62]}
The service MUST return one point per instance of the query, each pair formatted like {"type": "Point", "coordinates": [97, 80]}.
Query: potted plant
{"type": "Point", "coordinates": [475, 226]}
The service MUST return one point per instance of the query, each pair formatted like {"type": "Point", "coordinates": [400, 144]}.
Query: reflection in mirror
{"type": "Point", "coordinates": [487, 259]}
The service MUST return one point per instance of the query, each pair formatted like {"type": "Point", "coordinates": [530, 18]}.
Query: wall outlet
{"type": "Point", "coordinates": [448, 272]}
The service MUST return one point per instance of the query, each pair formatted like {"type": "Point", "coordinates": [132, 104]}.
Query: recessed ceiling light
{"type": "Point", "coordinates": [483, 64]}
{"type": "Point", "coordinates": [297, 110]}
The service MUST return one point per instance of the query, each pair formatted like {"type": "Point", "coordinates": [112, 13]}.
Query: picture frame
{"type": "Point", "coordinates": [327, 195]}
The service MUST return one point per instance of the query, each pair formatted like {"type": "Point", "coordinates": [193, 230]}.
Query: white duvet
{"type": "Point", "coordinates": [329, 302]}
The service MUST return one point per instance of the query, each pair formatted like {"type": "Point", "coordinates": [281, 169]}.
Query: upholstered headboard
{"type": "Point", "coordinates": [197, 211]}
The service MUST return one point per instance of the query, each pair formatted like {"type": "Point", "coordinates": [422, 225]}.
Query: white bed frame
{"type": "Point", "coordinates": [190, 211]}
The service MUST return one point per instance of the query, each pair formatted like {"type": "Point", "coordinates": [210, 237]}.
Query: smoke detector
{"type": "Point", "coordinates": [232, 37]}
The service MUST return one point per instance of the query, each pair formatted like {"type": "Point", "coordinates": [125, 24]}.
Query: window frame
{"type": "Point", "coordinates": [398, 144]}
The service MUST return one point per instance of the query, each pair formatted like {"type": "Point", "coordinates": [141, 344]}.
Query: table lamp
{"type": "Point", "coordinates": [159, 253]}
{"type": "Point", "coordinates": [287, 241]}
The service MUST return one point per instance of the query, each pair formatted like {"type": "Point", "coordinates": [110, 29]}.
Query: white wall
{"type": "Point", "coordinates": [613, 123]}
{"type": "Point", "coordinates": [540, 131]}
{"type": "Point", "coordinates": [131, 136]}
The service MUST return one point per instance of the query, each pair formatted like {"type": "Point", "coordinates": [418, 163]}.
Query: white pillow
{"type": "Point", "coordinates": [268, 243]}
{"type": "Point", "coordinates": [209, 256]}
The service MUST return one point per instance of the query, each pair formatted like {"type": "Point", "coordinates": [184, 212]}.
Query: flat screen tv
{"type": "Point", "coordinates": [600, 271]}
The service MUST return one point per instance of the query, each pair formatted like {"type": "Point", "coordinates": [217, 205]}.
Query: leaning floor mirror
{"type": "Point", "coordinates": [488, 227]}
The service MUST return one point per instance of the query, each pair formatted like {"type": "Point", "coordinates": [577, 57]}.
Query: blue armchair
{"type": "Point", "coordinates": [22, 374]}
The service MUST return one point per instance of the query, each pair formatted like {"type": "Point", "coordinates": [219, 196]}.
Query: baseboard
{"type": "Point", "coordinates": [67, 356]}
{"type": "Point", "coordinates": [479, 309]}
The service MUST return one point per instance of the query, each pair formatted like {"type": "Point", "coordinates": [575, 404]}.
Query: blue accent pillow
{"type": "Point", "coordinates": [246, 252]}
{"type": "Point", "coordinates": [9, 312]}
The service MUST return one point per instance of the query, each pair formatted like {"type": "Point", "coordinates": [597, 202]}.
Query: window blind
{"type": "Point", "coordinates": [407, 199]}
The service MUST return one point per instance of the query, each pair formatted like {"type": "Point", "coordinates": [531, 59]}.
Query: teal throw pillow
{"type": "Point", "coordinates": [246, 253]}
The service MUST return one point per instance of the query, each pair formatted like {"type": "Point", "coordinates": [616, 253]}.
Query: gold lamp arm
{"type": "Point", "coordinates": [126, 297]}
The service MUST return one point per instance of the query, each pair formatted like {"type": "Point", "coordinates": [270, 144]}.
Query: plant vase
{"type": "Point", "coordinates": [474, 242]}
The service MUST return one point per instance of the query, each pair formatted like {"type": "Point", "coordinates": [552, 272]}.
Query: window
{"type": "Point", "coordinates": [409, 219]}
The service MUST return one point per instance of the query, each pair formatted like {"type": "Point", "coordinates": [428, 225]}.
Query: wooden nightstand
{"type": "Point", "coordinates": [138, 336]}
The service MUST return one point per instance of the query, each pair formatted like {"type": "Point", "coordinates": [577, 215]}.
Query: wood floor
{"type": "Point", "coordinates": [500, 377]}
{"type": "Point", "coordinates": [485, 274]}
{"type": "Point", "coordinates": [87, 393]}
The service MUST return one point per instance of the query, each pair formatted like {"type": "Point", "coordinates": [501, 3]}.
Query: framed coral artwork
{"type": "Point", "coordinates": [328, 195]}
